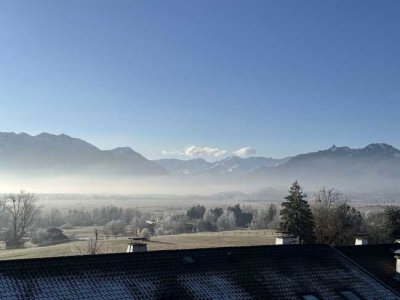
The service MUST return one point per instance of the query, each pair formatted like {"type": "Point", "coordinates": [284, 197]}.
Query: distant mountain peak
{"type": "Point", "coordinates": [232, 158]}
{"type": "Point", "coordinates": [42, 134]}
{"type": "Point", "coordinates": [380, 147]}
{"type": "Point", "coordinates": [371, 148]}
{"type": "Point", "coordinates": [122, 151]}
{"type": "Point", "coordinates": [333, 148]}
{"type": "Point", "coordinates": [49, 136]}
{"type": "Point", "coordinates": [62, 154]}
{"type": "Point", "coordinates": [13, 134]}
{"type": "Point", "coordinates": [21, 134]}
{"type": "Point", "coordinates": [198, 159]}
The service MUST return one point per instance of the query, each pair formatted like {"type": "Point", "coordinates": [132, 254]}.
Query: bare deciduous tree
{"type": "Point", "coordinates": [92, 247]}
{"type": "Point", "coordinates": [22, 210]}
{"type": "Point", "coordinates": [2, 209]}
{"type": "Point", "coordinates": [336, 222]}
{"type": "Point", "coordinates": [329, 197]}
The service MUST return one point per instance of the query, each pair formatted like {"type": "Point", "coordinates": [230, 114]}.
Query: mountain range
{"type": "Point", "coordinates": [227, 166]}
{"type": "Point", "coordinates": [376, 166]}
{"type": "Point", "coordinates": [375, 158]}
{"type": "Point", "coordinates": [46, 153]}
{"type": "Point", "coordinates": [61, 154]}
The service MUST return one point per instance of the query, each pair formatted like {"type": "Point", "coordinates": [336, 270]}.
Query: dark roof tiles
{"type": "Point", "coordinates": [378, 259]}
{"type": "Point", "coordinates": [263, 272]}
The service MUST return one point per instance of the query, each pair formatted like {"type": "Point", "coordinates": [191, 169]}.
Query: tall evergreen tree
{"type": "Point", "coordinates": [296, 216]}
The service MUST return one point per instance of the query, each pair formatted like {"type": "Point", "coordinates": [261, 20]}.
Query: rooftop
{"type": "Point", "coordinates": [376, 259]}
{"type": "Point", "coordinates": [272, 272]}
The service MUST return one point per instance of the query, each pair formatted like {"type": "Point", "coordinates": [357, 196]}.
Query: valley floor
{"type": "Point", "coordinates": [164, 242]}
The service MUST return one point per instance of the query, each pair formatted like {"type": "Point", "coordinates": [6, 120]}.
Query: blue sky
{"type": "Point", "coordinates": [281, 77]}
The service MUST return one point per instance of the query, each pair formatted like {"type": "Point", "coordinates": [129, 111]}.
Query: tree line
{"type": "Point", "coordinates": [328, 219]}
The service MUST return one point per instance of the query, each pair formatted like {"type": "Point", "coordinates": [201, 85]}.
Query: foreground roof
{"type": "Point", "coordinates": [267, 272]}
{"type": "Point", "coordinates": [376, 259]}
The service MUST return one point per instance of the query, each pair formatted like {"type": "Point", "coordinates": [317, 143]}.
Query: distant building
{"type": "Point", "coordinates": [285, 238]}
{"type": "Point", "coordinates": [54, 231]}
{"type": "Point", "coordinates": [258, 272]}
{"type": "Point", "coordinates": [4, 233]}
{"type": "Point", "coordinates": [13, 244]}
{"type": "Point", "coordinates": [361, 239]}
{"type": "Point", "coordinates": [56, 236]}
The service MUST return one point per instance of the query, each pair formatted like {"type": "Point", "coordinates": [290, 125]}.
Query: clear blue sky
{"type": "Point", "coordinates": [282, 77]}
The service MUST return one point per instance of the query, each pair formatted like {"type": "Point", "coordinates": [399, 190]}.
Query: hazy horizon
{"type": "Point", "coordinates": [49, 163]}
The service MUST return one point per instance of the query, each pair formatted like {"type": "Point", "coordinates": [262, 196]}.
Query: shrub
{"type": "Point", "coordinates": [226, 221]}
{"type": "Point", "coordinates": [115, 227]}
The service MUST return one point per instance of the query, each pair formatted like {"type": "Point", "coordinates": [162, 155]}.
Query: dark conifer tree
{"type": "Point", "coordinates": [296, 216]}
{"type": "Point", "coordinates": [392, 222]}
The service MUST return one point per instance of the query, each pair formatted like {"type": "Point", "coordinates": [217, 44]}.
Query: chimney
{"type": "Point", "coordinates": [397, 257]}
{"type": "Point", "coordinates": [137, 245]}
{"type": "Point", "coordinates": [285, 238]}
{"type": "Point", "coordinates": [361, 239]}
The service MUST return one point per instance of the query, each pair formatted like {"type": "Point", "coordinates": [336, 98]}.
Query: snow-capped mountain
{"type": "Point", "coordinates": [227, 166]}
{"type": "Point", "coordinates": [335, 162]}
{"type": "Point", "coordinates": [184, 167]}
{"type": "Point", "coordinates": [235, 164]}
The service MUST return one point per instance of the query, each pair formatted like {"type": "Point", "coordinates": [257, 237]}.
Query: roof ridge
{"type": "Point", "coordinates": [156, 252]}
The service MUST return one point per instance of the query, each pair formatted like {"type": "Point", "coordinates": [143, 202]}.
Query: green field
{"type": "Point", "coordinates": [164, 242]}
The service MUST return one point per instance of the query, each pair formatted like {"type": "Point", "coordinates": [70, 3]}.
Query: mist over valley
{"type": "Point", "coordinates": [48, 163]}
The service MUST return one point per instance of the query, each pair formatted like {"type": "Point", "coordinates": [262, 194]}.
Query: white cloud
{"type": "Point", "coordinates": [245, 151]}
{"type": "Point", "coordinates": [200, 151]}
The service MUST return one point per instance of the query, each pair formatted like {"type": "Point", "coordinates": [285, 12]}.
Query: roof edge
{"type": "Point", "coordinates": [365, 270]}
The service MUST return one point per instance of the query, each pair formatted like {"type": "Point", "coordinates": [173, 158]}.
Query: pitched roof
{"type": "Point", "coordinates": [268, 272]}
{"type": "Point", "coordinates": [377, 259]}
{"type": "Point", "coordinates": [54, 230]}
